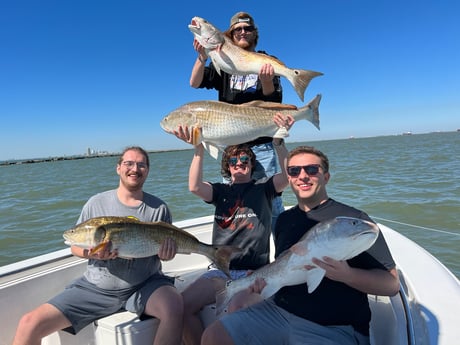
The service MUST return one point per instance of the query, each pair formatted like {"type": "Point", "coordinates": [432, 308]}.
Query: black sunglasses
{"type": "Point", "coordinates": [232, 161]}
{"type": "Point", "coordinates": [310, 170]}
{"type": "Point", "coordinates": [239, 29]}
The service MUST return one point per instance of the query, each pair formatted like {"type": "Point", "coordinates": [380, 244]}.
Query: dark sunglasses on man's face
{"type": "Point", "coordinates": [232, 161]}
{"type": "Point", "coordinates": [238, 30]}
{"type": "Point", "coordinates": [310, 170]}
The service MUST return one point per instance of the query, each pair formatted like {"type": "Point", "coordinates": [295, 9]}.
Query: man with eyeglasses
{"type": "Point", "coordinates": [337, 312]}
{"type": "Point", "coordinates": [111, 284]}
{"type": "Point", "coordinates": [238, 89]}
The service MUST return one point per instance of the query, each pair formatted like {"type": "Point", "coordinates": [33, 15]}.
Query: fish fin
{"type": "Point", "coordinates": [314, 277]}
{"type": "Point", "coordinates": [282, 132]}
{"type": "Point", "coordinates": [269, 105]}
{"type": "Point", "coordinates": [222, 257]}
{"type": "Point", "coordinates": [100, 247]}
{"type": "Point", "coordinates": [215, 64]}
{"type": "Point", "coordinates": [300, 80]}
{"type": "Point", "coordinates": [212, 149]}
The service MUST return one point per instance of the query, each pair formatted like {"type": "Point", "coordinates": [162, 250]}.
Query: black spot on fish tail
{"type": "Point", "coordinates": [301, 80]}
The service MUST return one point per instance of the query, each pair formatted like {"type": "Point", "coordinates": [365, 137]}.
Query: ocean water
{"type": "Point", "coordinates": [408, 182]}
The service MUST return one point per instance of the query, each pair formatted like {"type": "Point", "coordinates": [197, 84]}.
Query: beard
{"type": "Point", "coordinates": [246, 45]}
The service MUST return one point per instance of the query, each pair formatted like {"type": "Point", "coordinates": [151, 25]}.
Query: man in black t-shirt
{"type": "Point", "coordinates": [337, 312]}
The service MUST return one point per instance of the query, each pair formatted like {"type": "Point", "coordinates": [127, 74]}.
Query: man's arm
{"type": "Point", "coordinates": [195, 176]}
{"type": "Point", "coordinates": [198, 68]}
{"type": "Point", "coordinates": [374, 281]}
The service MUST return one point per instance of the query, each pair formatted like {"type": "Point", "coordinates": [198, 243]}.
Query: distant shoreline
{"type": "Point", "coordinates": [107, 154]}
{"type": "Point", "coordinates": [71, 158]}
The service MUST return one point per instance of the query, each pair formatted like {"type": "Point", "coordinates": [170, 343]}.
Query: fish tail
{"type": "Point", "coordinates": [300, 80]}
{"type": "Point", "coordinates": [311, 111]}
{"type": "Point", "coordinates": [222, 256]}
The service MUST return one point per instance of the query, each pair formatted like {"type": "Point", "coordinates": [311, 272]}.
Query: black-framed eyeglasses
{"type": "Point", "coordinates": [310, 170]}
{"type": "Point", "coordinates": [232, 161]}
{"type": "Point", "coordinates": [240, 29]}
{"type": "Point", "coordinates": [131, 164]}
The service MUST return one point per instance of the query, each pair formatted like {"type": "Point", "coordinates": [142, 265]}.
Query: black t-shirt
{"type": "Point", "coordinates": [332, 303]}
{"type": "Point", "coordinates": [243, 218]}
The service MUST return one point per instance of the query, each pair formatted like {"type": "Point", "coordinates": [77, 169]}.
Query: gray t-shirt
{"type": "Point", "coordinates": [119, 274]}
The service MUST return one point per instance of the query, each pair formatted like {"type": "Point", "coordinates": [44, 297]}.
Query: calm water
{"type": "Point", "coordinates": [410, 183]}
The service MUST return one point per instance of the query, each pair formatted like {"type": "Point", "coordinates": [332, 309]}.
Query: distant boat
{"type": "Point", "coordinates": [407, 133]}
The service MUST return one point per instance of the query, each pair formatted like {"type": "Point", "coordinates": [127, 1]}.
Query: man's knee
{"type": "Point", "coordinates": [28, 321]}
{"type": "Point", "coordinates": [42, 321]}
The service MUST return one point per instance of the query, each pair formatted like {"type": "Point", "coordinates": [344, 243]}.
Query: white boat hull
{"type": "Point", "coordinates": [424, 312]}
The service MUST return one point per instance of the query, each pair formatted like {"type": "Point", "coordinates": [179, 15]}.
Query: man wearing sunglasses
{"type": "Point", "coordinates": [238, 89]}
{"type": "Point", "coordinates": [337, 312]}
{"type": "Point", "coordinates": [242, 218]}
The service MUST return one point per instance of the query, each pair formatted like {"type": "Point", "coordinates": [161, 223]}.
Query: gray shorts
{"type": "Point", "coordinates": [266, 323]}
{"type": "Point", "coordinates": [82, 302]}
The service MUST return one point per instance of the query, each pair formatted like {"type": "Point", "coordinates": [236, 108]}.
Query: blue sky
{"type": "Point", "coordinates": [102, 74]}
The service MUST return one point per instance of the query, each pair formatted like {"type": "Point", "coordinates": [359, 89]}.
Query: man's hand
{"type": "Point", "coordinates": [335, 269]}
{"type": "Point", "coordinates": [266, 73]}
{"type": "Point", "coordinates": [184, 133]}
{"type": "Point", "coordinates": [247, 297]}
{"type": "Point", "coordinates": [168, 249]}
{"type": "Point", "coordinates": [285, 121]}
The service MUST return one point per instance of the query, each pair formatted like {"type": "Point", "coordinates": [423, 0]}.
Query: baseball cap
{"type": "Point", "coordinates": [242, 17]}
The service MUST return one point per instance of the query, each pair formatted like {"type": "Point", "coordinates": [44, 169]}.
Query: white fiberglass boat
{"type": "Point", "coordinates": [426, 310]}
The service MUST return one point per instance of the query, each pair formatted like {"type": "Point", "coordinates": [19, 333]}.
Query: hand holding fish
{"type": "Point", "coordinates": [286, 121]}
{"type": "Point", "coordinates": [247, 297]}
{"type": "Point", "coordinates": [337, 270]}
{"type": "Point", "coordinates": [202, 56]}
{"type": "Point", "coordinates": [168, 249]}
{"type": "Point", "coordinates": [266, 73]}
{"type": "Point", "coordinates": [185, 134]}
